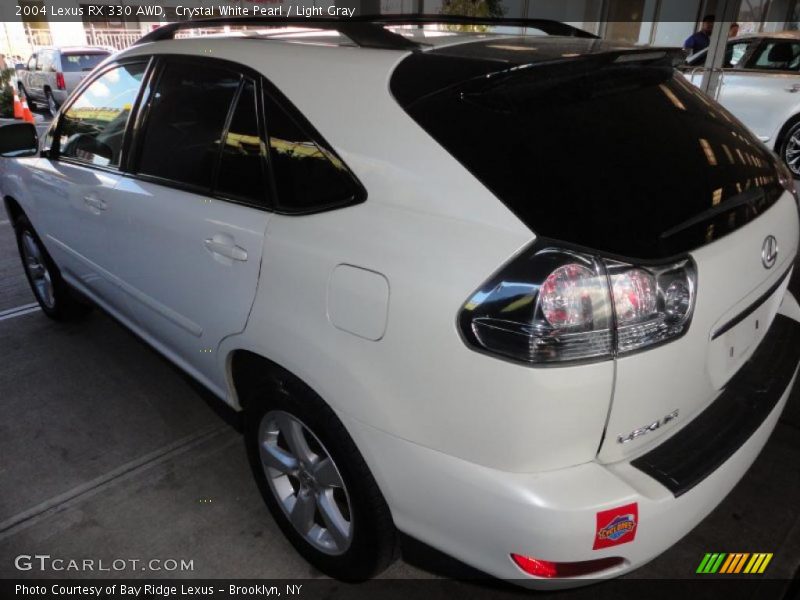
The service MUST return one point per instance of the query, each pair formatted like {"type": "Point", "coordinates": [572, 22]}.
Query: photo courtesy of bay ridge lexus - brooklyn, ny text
{"type": "Point", "coordinates": [379, 299]}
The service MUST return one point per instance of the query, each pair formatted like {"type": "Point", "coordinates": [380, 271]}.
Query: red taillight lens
{"type": "Point", "coordinates": [60, 83]}
{"type": "Point", "coordinates": [549, 306]}
{"type": "Point", "coordinates": [549, 570]}
{"type": "Point", "coordinates": [652, 305]}
{"type": "Point", "coordinates": [566, 296]}
{"type": "Point", "coordinates": [635, 296]}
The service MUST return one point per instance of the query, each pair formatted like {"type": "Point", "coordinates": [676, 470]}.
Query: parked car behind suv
{"type": "Point", "coordinates": [51, 74]}
{"type": "Point", "coordinates": [437, 318]}
{"type": "Point", "coordinates": [759, 84]}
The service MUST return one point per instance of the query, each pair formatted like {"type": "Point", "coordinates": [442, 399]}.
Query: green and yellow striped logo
{"type": "Point", "coordinates": [734, 563]}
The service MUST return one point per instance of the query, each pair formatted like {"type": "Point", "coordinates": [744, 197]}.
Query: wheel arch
{"type": "Point", "coordinates": [13, 209]}
{"type": "Point", "coordinates": [784, 130]}
{"type": "Point", "coordinates": [251, 373]}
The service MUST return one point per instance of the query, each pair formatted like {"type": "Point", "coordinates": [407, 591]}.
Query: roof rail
{"type": "Point", "coordinates": [368, 31]}
{"type": "Point", "coordinates": [362, 32]}
{"type": "Point", "coordinates": [550, 27]}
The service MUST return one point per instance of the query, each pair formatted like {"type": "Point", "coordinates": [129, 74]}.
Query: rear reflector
{"type": "Point", "coordinates": [545, 568]}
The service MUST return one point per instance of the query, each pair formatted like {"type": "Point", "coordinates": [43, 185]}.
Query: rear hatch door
{"type": "Point", "coordinates": [611, 149]}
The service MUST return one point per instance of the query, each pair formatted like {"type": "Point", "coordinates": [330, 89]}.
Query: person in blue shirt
{"type": "Point", "coordinates": [700, 40]}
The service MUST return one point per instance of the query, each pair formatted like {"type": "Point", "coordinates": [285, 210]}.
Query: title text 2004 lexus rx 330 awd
{"type": "Point", "coordinates": [523, 298]}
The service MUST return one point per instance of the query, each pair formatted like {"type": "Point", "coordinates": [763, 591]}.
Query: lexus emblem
{"type": "Point", "coordinates": [769, 252]}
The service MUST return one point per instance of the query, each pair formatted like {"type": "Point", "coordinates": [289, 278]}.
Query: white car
{"type": "Point", "coordinates": [760, 85]}
{"type": "Point", "coordinates": [436, 315]}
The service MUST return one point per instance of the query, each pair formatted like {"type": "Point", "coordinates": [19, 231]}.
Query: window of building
{"type": "Point", "coordinates": [92, 128]}
{"type": "Point", "coordinates": [752, 15]}
{"type": "Point", "coordinates": [185, 123]}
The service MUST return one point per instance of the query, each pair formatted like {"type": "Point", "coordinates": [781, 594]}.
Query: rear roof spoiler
{"type": "Point", "coordinates": [365, 31]}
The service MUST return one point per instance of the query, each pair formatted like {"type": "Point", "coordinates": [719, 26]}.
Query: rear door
{"type": "Point", "coordinates": [33, 83]}
{"type": "Point", "coordinates": [26, 74]}
{"type": "Point", "coordinates": [188, 224]}
{"type": "Point", "coordinates": [45, 73]}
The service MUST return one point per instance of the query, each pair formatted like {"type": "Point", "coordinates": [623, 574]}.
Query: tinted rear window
{"type": "Point", "coordinates": [308, 176]}
{"type": "Point", "coordinates": [628, 159]}
{"type": "Point", "coordinates": [185, 124]}
{"type": "Point", "coordinates": [81, 62]}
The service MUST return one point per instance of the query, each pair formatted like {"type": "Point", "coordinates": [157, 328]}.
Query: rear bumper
{"type": "Point", "coordinates": [712, 437]}
{"type": "Point", "coordinates": [481, 515]}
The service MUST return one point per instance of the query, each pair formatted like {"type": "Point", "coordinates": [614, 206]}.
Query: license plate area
{"type": "Point", "coordinates": [734, 339]}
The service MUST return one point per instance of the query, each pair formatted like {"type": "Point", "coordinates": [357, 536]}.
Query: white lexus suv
{"type": "Point", "coordinates": [523, 298]}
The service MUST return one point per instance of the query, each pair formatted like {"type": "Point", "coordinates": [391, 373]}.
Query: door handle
{"type": "Point", "coordinates": [98, 204]}
{"type": "Point", "coordinates": [223, 245]}
{"type": "Point", "coordinates": [794, 88]}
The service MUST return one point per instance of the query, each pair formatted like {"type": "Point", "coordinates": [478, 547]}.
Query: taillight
{"type": "Point", "coordinates": [651, 305]}
{"type": "Point", "coordinates": [60, 83]}
{"type": "Point", "coordinates": [552, 305]}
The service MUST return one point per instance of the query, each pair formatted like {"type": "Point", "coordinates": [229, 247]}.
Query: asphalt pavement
{"type": "Point", "coordinates": [107, 451]}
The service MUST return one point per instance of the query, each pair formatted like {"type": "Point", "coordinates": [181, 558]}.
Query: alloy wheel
{"type": "Point", "coordinates": [37, 270]}
{"type": "Point", "coordinates": [306, 482]}
{"type": "Point", "coordinates": [791, 153]}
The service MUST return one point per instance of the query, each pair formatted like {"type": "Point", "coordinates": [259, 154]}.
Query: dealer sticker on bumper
{"type": "Point", "coordinates": [616, 526]}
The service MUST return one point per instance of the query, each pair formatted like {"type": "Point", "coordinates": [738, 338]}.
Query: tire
{"type": "Point", "coordinates": [789, 150]}
{"type": "Point", "coordinates": [345, 528]}
{"type": "Point", "coordinates": [49, 288]}
{"type": "Point", "coordinates": [52, 105]}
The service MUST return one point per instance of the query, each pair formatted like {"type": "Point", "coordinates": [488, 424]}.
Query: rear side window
{"type": "Point", "coordinates": [185, 124]}
{"type": "Point", "coordinates": [71, 63]}
{"type": "Point", "coordinates": [308, 177]}
{"type": "Point", "coordinates": [92, 128]}
{"type": "Point", "coordinates": [778, 56]}
{"type": "Point", "coordinates": [241, 170]}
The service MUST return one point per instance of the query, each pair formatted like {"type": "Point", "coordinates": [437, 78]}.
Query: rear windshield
{"type": "Point", "coordinates": [84, 61]}
{"type": "Point", "coordinates": [628, 159]}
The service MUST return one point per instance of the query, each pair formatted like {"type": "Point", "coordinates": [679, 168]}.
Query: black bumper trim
{"type": "Point", "coordinates": [701, 447]}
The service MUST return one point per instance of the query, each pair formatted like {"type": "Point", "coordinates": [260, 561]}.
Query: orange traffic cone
{"type": "Point", "coordinates": [27, 115]}
{"type": "Point", "coordinates": [17, 106]}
